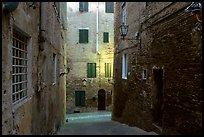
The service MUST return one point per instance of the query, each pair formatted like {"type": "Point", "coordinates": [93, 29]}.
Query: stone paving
{"type": "Point", "coordinates": [97, 123]}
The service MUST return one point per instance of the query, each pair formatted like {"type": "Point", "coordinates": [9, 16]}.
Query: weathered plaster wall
{"type": "Point", "coordinates": [43, 112]}
{"type": "Point", "coordinates": [81, 54]}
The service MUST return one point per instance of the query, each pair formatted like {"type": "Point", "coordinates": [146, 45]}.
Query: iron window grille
{"type": "Point", "coordinates": [19, 67]}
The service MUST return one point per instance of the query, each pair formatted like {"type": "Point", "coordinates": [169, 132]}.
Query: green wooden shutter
{"type": "Point", "coordinates": [91, 70]}
{"type": "Point", "coordinates": [86, 36]}
{"type": "Point", "coordinates": [80, 36]}
{"type": "Point", "coordinates": [88, 70]}
{"type": "Point", "coordinates": [80, 6]}
{"type": "Point", "coordinates": [105, 37]}
{"type": "Point", "coordinates": [86, 6]}
{"type": "Point", "coordinates": [82, 97]}
{"type": "Point", "coordinates": [83, 36]}
{"type": "Point", "coordinates": [83, 6]}
{"type": "Point", "coordinates": [109, 7]}
{"type": "Point", "coordinates": [77, 103]}
{"type": "Point", "coordinates": [107, 69]}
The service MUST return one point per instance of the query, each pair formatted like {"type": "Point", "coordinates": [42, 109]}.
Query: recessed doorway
{"type": "Point", "coordinates": [101, 99]}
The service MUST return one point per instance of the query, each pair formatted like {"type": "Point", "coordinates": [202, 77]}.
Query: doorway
{"type": "Point", "coordinates": [157, 96]}
{"type": "Point", "coordinates": [101, 99]}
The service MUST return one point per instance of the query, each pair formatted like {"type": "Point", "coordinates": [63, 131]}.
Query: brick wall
{"type": "Point", "coordinates": [168, 42]}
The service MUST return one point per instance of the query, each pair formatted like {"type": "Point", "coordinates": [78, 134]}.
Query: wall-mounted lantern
{"type": "Point", "coordinates": [123, 30]}
{"type": "Point", "coordinates": [84, 82]}
{"type": "Point", "coordinates": [194, 7]}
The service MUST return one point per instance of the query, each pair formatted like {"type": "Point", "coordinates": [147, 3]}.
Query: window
{"type": "Point", "coordinates": [124, 13]}
{"type": "Point", "coordinates": [144, 74]}
{"type": "Point", "coordinates": [83, 36]}
{"type": "Point", "coordinates": [54, 59]}
{"type": "Point", "coordinates": [79, 98]}
{"type": "Point", "coordinates": [105, 37]}
{"type": "Point", "coordinates": [109, 7]}
{"type": "Point", "coordinates": [19, 67]}
{"type": "Point", "coordinates": [124, 66]}
{"type": "Point", "coordinates": [107, 70]}
{"type": "Point", "coordinates": [91, 70]}
{"type": "Point", "coordinates": [83, 6]}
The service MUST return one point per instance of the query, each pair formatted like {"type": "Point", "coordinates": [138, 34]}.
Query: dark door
{"type": "Point", "coordinates": [157, 96]}
{"type": "Point", "coordinates": [101, 99]}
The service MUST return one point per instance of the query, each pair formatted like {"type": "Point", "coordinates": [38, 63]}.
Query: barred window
{"type": "Point", "coordinates": [19, 67]}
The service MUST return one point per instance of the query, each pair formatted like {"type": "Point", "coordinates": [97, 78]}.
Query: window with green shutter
{"type": "Point", "coordinates": [107, 70]}
{"type": "Point", "coordinates": [109, 7]}
{"type": "Point", "coordinates": [91, 70]}
{"type": "Point", "coordinates": [79, 98]}
{"type": "Point", "coordinates": [83, 35]}
{"type": "Point", "coordinates": [83, 6]}
{"type": "Point", "coordinates": [105, 37]}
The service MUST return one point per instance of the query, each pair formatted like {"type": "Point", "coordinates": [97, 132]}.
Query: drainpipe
{"type": "Point", "coordinates": [98, 53]}
{"type": "Point", "coordinates": [97, 28]}
{"type": "Point", "coordinates": [42, 26]}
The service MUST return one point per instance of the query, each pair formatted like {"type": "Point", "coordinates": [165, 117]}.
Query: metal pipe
{"type": "Point", "coordinates": [97, 28]}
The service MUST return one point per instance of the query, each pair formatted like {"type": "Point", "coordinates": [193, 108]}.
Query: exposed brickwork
{"type": "Point", "coordinates": [168, 42]}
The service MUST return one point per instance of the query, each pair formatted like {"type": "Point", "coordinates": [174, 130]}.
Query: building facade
{"type": "Point", "coordinates": [90, 56]}
{"type": "Point", "coordinates": [158, 67]}
{"type": "Point", "coordinates": [33, 64]}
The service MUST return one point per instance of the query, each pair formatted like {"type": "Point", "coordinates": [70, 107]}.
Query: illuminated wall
{"type": "Point", "coordinates": [97, 21]}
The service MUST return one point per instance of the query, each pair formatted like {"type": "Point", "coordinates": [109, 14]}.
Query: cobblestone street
{"type": "Point", "coordinates": [98, 123]}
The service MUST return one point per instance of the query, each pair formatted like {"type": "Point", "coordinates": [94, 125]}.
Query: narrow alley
{"type": "Point", "coordinates": [101, 68]}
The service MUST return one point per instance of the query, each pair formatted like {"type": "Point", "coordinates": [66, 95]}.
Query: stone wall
{"type": "Point", "coordinates": [168, 42]}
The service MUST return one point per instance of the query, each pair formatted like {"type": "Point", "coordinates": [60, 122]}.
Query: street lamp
{"type": "Point", "coordinates": [123, 30]}
{"type": "Point", "coordinates": [194, 7]}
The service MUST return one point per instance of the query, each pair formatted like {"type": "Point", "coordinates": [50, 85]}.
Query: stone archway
{"type": "Point", "coordinates": [101, 99]}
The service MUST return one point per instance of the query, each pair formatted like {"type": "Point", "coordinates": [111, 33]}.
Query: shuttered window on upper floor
{"type": "Point", "coordinates": [105, 37]}
{"type": "Point", "coordinates": [83, 36]}
{"type": "Point", "coordinates": [109, 7]}
{"type": "Point", "coordinates": [83, 6]}
{"type": "Point", "coordinates": [91, 70]}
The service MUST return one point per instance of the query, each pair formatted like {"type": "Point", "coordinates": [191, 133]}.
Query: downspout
{"type": "Point", "coordinates": [97, 29]}
{"type": "Point", "coordinates": [98, 53]}
{"type": "Point", "coordinates": [42, 26]}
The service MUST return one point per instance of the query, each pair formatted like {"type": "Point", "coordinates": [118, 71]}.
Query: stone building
{"type": "Point", "coordinates": [33, 64]}
{"type": "Point", "coordinates": [90, 56]}
{"type": "Point", "coordinates": [157, 67]}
